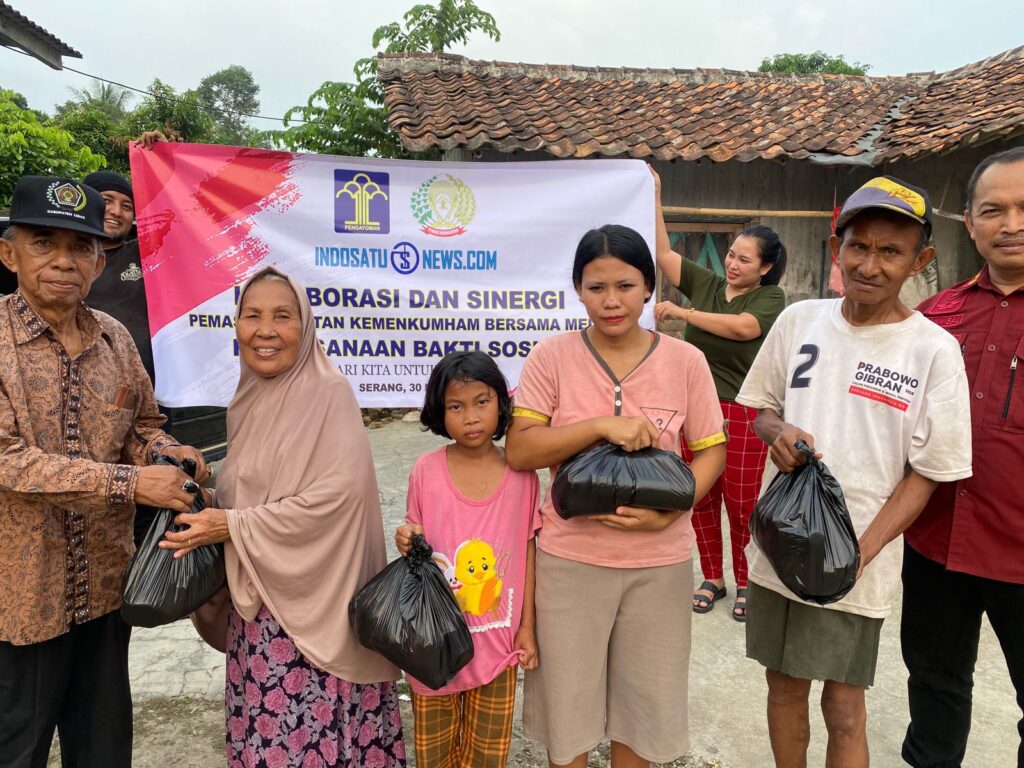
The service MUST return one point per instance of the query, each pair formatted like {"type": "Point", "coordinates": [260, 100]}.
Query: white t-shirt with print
{"type": "Point", "coordinates": [875, 399]}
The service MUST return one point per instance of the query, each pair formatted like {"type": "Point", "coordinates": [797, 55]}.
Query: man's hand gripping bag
{"type": "Point", "coordinates": [803, 527]}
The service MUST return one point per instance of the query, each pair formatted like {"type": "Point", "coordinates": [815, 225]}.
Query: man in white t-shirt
{"type": "Point", "coordinates": [880, 394]}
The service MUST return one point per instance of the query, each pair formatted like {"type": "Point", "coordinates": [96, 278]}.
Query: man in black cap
{"type": "Point", "coordinates": [119, 290]}
{"type": "Point", "coordinates": [79, 435]}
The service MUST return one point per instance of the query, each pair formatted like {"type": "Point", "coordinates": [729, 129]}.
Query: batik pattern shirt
{"type": "Point", "coordinates": [73, 434]}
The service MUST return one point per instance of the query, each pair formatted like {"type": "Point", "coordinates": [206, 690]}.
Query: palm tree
{"type": "Point", "coordinates": [111, 99]}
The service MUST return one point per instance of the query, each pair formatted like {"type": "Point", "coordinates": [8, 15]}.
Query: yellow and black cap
{"type": "Point", "coordinates": [890, 194]}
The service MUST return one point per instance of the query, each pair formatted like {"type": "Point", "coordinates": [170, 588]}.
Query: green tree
{"type": "Point", "coordinates": [108, 98]}
{"type": "Point", "coordinates": [818, 62]}
{"type": "Point", "coordinates": [226, 94]}
{"type": "Point", "coordinates": [95, 129]}
{"type": "Point", "coordinates": [350, 118]}
{"type": "Point", "coordinates": [31, 146]}
{"type": "Point", "coordinates": [430, 28]}
{"type": "Point", "coordinates": [92, 115]}
{"type": "Point", "coordinates": [181, 115]}
{"type": "Point", "coordinates": [15, 98]}
{"type": "Point", "coordinates": [339, 121]}
{"type": "Point", "coordinates": [22, 102]}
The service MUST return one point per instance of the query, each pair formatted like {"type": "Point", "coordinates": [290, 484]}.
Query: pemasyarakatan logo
{"type": "Point", "coordinates": [362, 202]}
{"type": "Point", "coordinates": [444, 205]}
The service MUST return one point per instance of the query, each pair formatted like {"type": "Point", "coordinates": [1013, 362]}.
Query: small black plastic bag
{"type": "Point", "coordinates": [159, 589]}
{"type": "Point", "coordinates": [605, 477]}
{"type": "Point", "coordinates": [802, 525]}
{"type": "Point", "coordinates": [408, 615]}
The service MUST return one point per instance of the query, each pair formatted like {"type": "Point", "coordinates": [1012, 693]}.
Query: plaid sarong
{"type": "Point", "coordinates": [469, 729]}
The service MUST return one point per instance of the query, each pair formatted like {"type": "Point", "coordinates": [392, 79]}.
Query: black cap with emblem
{"type": "Point", "coordinates": [51, 201]}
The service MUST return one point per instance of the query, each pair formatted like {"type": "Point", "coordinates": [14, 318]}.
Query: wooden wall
{"type": "Point", "coordinates": [802, 185]}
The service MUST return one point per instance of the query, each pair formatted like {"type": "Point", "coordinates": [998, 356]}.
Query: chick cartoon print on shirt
{"type": "Point", "coordinates": [476, 569]}
{"type": "Point", "coordinates": [476, 576]}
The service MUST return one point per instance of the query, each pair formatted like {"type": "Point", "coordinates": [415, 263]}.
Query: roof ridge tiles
{"type": "Point", "coordinates": [982, 64]}
{"type": "Point", "coordinates": [390, 65]}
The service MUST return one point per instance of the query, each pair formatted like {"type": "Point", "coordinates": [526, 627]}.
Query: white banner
{"type": "Point", "coordinates": [403, 261]}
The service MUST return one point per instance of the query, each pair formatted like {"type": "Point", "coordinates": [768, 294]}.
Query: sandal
{"type": "Point", "coordinates": [739, 612]}
{"type": "Point", "coordinates": [705, 603]}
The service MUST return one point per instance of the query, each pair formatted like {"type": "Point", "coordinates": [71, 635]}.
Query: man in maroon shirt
{"type": "Point", "coordinates": [964, 555]}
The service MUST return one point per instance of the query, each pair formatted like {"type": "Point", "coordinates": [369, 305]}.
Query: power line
{"type": "Point", "coordinates": [165, 97]}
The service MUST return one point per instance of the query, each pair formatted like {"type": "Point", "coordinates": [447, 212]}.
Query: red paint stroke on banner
{"type": "Point", "coordinates": [195, 209]}
{"type": "Point", "coordinates": [878, 397]}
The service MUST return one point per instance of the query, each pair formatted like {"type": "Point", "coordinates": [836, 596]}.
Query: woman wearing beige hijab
{"type": "Point", "coordinates": [298, 508]}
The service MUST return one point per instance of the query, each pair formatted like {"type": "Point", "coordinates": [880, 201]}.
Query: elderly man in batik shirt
{"type": "Point", "coordinates": [79, 432]}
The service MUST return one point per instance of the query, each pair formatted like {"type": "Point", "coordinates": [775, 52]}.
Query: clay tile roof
{"type": "Point", "coordinates": [974, 104]}
{"type": "Point", "coordinates": [447, 101]}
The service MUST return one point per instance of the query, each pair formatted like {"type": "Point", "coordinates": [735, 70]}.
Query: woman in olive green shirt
{"type": "Point", "coordinates": [727, 320]}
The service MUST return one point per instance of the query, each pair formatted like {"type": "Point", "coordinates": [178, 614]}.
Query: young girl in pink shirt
{"type": "Point", "coordinates": [480, 516]}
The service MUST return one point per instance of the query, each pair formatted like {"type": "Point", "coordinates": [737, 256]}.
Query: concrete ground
{"type": "Point", "coordinates": [177, 681]}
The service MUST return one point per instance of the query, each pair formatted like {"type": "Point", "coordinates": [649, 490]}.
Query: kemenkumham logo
{"type": "Point", "coordinates": [361, 202]}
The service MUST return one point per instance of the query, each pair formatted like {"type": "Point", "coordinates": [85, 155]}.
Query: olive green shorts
{"type": "Point", "coordinates": [809, 642]}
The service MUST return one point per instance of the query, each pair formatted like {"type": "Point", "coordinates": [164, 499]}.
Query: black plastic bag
{"type": "Point", "coordinates": [159, 589]}
{"type": "Point", "coordinates": [802, 525]}
{"type": "Point", "coordinates": [408, 615]}
{"type": "Point", "coordinates": [605, 477]}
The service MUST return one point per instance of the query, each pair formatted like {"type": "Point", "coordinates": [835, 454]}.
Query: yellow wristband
{"type": "Point", "coordinates": [689, 315]}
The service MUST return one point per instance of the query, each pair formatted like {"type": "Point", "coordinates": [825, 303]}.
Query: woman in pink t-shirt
{"type": "Point", "coordinates": [613, 591]}
{"type": "Point", "coordinates": [480, 516]}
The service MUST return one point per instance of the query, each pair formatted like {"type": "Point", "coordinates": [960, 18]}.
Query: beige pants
{"type": "Point", "coordinates": [614, 659]}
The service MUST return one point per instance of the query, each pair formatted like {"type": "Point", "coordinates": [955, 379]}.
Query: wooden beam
{"type": "Point", "coordinates": [753, 213]}
{"type": "Point", "coordinates": [704, 226]}
{"type": "Point", "coordinates": [746, 213]}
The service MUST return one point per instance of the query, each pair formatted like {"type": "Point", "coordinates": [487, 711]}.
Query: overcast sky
{"type": "Point", "coordinates": [292, 47]}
